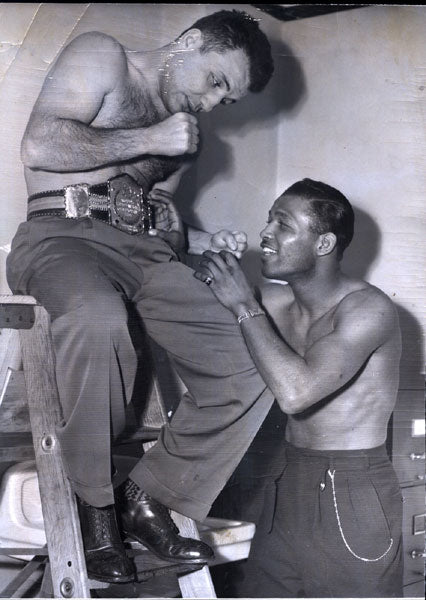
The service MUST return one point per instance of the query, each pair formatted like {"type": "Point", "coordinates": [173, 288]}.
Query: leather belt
{"type": "Point", "coordinates": [120, 202]}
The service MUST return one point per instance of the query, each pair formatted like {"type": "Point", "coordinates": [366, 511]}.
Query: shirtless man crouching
{"type": "Point", "coordinates": [328, 346]}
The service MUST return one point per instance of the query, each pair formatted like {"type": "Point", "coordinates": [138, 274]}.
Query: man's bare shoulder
{"type": "Point", "coordinates": [94, 48]}
{"type": "Point", "coordinates": [94, 59]}
{"type": "Point", "coordinates": [368, 303]}
{"type": "Point", "coordinates": [275, 295]}
{"type": "Point", "coordinates": [95, 41]}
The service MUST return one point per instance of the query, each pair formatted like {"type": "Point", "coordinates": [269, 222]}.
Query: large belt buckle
{"type": "Point", "coordinates": [128, 210]}
{"type": "Point", "coordinates": [77, 200]}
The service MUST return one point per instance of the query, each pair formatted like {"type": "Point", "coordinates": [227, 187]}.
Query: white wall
{"type": "Point", "coordinates": [344, 106]}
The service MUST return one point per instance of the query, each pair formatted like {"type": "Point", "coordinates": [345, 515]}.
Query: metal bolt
{"type": "Point", "coordinates": [47, 443]}
{"type": "Point", "coordinates": [66, 587]}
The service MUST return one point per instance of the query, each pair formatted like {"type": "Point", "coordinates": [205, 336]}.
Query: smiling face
{"type": "Point", "coordinates": [198, 81]}
{"type": "Point", "coordinates": [289, 246]}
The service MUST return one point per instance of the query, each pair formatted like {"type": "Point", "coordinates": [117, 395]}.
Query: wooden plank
{"type": "Point", "coordinates": [14, 415]}
{"type": "Point", "coordinates": [198, 584]}
{"type": "Point", "coordinates": [25, 576]}
{"type": "Point", "coordinates": [60, 515]}
{"type": "Point", "coordinates": [10, 357]}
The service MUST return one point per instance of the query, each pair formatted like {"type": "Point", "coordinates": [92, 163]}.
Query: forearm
{"type": "Point", "coordinates": [283, 370]}
{"type": "Point", "coordinates": [67, 146]}
{"type": "Point", "coordinates": [198, 241]}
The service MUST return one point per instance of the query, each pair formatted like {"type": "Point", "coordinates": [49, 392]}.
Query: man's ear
{"type": "Point", "coordinates": [326, 243]}
{"type": "Point", "coordinates": [191, 39]}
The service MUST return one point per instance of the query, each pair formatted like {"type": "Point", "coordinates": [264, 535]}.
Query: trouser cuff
{"type": "Point", "coordinates": [99, 496]}
{"type": "Point", "coordinates": [184, 505]}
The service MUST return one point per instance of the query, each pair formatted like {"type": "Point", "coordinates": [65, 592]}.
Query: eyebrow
{"type": "Point", "coordinates": [282, 213]}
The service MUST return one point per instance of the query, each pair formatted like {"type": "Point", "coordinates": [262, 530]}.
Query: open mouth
{"type": "Point", "coordinates": [267, 251]}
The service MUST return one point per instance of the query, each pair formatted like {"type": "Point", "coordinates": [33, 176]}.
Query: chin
{"type": "Point", "coordinates": [269, 273]}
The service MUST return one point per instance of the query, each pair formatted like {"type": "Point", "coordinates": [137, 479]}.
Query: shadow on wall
{"type": "Point", "coordinates": [283, 96]}
{"type": "Point", "coordinates": [364, 248]}
{"type": "Point", "coordinates": [412, 357]}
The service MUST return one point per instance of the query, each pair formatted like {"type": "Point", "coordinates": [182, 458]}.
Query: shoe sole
{"type": "Point", "coordinates": [179, 561]}
{"type": "Point", "coordinates": [105, 579]}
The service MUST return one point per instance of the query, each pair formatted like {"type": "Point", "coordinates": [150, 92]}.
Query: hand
{"type": "Point", "coordinates": [231, 241]}
{"type": "Point", "coordinates": [174, 136]}
{"type": "Point", "coordinates": [229, 284]}
{"type": "Point", "coordinates": [168, 224]}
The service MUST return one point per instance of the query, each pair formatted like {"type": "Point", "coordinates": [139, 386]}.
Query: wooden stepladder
{"type": "Point", "coordinates": [66, 562]}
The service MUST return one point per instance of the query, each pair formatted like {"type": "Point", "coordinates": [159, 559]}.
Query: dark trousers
{"type": "Point", "coordinates": [82, 271]}
{"type": "Point", "coordinates": [331, 527]}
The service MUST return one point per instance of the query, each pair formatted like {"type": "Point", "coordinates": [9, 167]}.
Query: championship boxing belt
{"type": "Point", "coordinates": [120, 202]}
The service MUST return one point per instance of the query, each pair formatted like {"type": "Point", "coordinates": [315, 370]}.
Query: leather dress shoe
{"type": "Point", "coordinates": [149, 522]}
{"type": "Point", "coordinates": [106, 558]}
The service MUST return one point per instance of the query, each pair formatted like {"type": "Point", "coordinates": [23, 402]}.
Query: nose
{"type": "Point", "coordinates": [266, 233]}
{"type": "Point", "coordinates": [210, 101]}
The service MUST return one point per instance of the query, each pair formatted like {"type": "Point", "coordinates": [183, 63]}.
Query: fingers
{"type": "Point", "coordinates": [209, 268]}
{"type": "Point", "coordinates": [187, 133]}
{"type": "Point", "coordinates": [230, 241]}
{"type": "Point", "coordinates": [219, 262]}
{"type": "Point", "coordinates": [240, 236]}
{"type": "Point", "coordinates": [204, 277]}
{"type": "Point", "coordinates": [160, 195]}
{"type": "Point", "coordinates": [176, 135]}
{"type": "Point", "coordinates": [233, 241]}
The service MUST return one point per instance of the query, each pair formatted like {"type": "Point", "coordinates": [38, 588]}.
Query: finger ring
{"type": "Point", "coordinates": [208, 280]}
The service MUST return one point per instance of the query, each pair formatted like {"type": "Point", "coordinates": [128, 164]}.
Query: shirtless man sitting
{"type": "Point", "coordinates": [111, 129]}
{"type": "Point", "coordinates": [328, 346]}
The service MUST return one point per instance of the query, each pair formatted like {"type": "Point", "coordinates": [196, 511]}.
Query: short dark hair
{"type": "Point", "coordinates": [330, 210]}
{"type": "Point", "coordinates": [232, 29]}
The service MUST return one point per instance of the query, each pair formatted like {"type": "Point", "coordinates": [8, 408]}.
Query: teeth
{"type": "Point", "coordinates": [268, 251]}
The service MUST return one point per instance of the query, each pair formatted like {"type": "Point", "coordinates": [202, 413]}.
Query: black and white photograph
{"type": "Point", "coordinates": [212, 316]}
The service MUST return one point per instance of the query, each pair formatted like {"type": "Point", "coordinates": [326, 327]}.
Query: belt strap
{"type": "Point", "coordinates": [120, 202]}
{"type": "Point", "coordinates": [100, 189]}
{"type": "Point", "coordinates": [43, 205]}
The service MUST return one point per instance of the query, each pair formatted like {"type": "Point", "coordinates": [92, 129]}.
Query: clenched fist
{"type": "Point", "coordinates": [231, 241]}
{"type": "Point", "coordinates": [174, 136]}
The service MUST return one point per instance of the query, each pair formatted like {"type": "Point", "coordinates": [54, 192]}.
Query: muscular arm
{"type": "Point", "coordinates": [59, 136]}
{"type": "Point", "coordinates": [364, 321]}
{"type": "Point", "coordinates": [361, 325]}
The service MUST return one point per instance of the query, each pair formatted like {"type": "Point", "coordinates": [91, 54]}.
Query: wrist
{"type": "Point", "coordinates": [250, 314]}
{"type": "Point", "coordinates": [245, 307]}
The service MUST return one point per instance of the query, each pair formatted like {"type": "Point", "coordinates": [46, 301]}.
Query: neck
{"type": "Point", "coordinates": [315, 292]}
{"type": "Point", "coordinates": [152, 65]}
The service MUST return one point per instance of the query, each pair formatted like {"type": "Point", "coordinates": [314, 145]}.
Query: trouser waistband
{"type": "Point", "coordinates": [362, 456]}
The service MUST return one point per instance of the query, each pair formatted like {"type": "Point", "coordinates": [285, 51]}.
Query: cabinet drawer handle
{"type": "Point", "coordinates": [418, 554]}
{"type": "Point", "coordinates": [414, 456]}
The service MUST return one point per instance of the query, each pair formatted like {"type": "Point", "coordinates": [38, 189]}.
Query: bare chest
{"type": "Point", "coordinates": [301, 333]}
{"type": "Point", "coordinates": [130, 107]}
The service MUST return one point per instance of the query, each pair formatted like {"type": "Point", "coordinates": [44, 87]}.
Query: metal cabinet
{"type": "Point", "coordinates": [408, 458]}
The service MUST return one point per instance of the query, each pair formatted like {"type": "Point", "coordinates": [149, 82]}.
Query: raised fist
{"type": "Point", "coordinates": [174, 136]}
{"type": "Point", "coordinates": [231, 241]}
